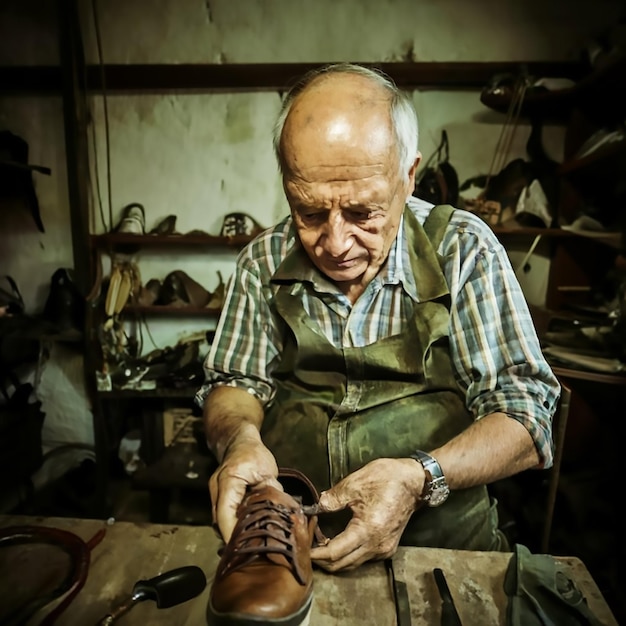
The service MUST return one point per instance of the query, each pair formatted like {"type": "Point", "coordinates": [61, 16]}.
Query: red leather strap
{"type": "Point", "coordinates": [78, 550]}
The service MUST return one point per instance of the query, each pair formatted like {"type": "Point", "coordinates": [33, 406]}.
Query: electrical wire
{"type": "Point", "coordinates": [505, 141]}
{"type": "Point", "coordinates": [96, 23]}
{"type": "Point", "coordinates": [145, 324]}
{"type": "Point", "coordinates": [94, 189]}
{"type": "Point", "coordinates": [94, 143]}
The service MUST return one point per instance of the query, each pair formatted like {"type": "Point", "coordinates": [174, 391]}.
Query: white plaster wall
{"type": "Point", "coordinates": [196, 156]}
{"type": "Point", "coordinates": [260, 31]}
{"type": "Point", "coordinates": [257, 31]}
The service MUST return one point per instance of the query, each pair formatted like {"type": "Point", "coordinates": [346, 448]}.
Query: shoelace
{"type": "Point", "coordinates": [266, 528]}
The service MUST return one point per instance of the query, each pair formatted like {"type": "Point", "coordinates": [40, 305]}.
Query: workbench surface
{"type": "Point", "coordinates": [133, 551]}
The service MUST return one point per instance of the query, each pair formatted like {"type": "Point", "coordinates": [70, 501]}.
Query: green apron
{"type": "Point", "coordinates": [336, 409]}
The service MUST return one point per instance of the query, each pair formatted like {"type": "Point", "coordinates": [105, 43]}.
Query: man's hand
{"type": "Point", "coordinates": [247, 462]}
{"type": "Point", "coordinates": [382, 495]}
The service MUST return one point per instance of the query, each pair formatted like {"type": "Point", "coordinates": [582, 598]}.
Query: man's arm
{"type": "Point", "coordinates": [494, 346]}
{"type": "Point", "coordinates": [231, 414]}
{"type": "Point", "coordinates": [492, 448]}
{"type": "Point", "coordinates": [232, 420]}
{"type": "Point", "coordinates": [238, 380]}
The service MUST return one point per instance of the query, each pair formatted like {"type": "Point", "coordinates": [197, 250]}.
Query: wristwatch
{"type": "Point", "coordinates": [436, 490]}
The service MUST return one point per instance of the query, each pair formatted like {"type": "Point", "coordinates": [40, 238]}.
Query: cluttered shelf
{"type": "Point", "coordinates": [609, 238]}
{"type": "Point", "coordinates": [165, 309]}
{"type": "Point", "coordinates": [111, 240]}
{"type": "Point", "coordinates": [580, 345]}
{"type": "Point", "coordinates": [154, 393]}
{"type": "Point", "coordinates": [594, 159]}
{"type": "Point", "coordinates": [596, 377]}
{"type": "Point", "coordinates": [600, 93]}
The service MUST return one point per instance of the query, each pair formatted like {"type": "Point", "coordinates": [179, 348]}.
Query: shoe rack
{"type": "Point", "coordinates": [116, 408]}
{"type": "Point", "coordinates": [583, 265]}
{"type": "Point", "coordinates": [128, 244]}
{"type": "Point", "coordinates": [580, 259]}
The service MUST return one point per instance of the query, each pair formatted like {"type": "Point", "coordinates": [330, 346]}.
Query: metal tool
{"type": "Point", "coordinates": [449, 614]}
{"type": "Point", "coordinates": [400, 596]}
{"type": "Point", "coordinates": [168, 589]}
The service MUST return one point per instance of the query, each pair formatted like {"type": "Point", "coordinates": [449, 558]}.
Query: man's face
{"type": "Point", "coordinates": [345, 191]}
{"type": "Point", "coordinates": [347, 217]}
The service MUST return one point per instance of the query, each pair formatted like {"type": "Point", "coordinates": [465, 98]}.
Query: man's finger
{"type": "Point", "coordinates": [342, 562]}
{"type": "Point", "coordinates": [346, 542]}
{"type": "Point", "coordinates": [331, 501]}
{"type": "Point", "coordinates": [226, 504]}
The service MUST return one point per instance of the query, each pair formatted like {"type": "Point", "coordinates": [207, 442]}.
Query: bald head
{"type": "Point", "coordinates": [338, 119]}
{"type": "Point", "coordinates": [349, 105]}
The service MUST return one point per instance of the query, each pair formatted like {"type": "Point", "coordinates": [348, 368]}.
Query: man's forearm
{"type": "Point", "coordinates": [492, 448]}
{"type": "Point", "coordinates": [231, 414]}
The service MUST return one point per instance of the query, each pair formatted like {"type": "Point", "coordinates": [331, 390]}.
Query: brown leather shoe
{"type": "Point", "coordinates": [265, 574]}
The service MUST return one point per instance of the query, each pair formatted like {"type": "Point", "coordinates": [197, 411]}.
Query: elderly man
{"type": "Point", "coordinates": [382, 348]}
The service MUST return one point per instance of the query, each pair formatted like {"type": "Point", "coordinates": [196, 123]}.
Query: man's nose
{"type": "Point", "coordinates": [337, 235]}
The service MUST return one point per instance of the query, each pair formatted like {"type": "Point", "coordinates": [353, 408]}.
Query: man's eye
{"type": "Point", "coordinates": [312, 216]}
{"type": "Point", "coordinates": [361, 216]}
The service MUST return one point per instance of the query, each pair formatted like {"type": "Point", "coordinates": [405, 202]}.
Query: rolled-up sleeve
{"type": "Point", "coordinates": [247, 340]}
{"type": "Point", "coordinates": [494, 343]}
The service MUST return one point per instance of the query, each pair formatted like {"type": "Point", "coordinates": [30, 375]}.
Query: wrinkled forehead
{"type": "Point", "coordinates": [335, 120]}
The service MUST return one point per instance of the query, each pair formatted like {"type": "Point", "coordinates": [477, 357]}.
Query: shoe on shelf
{"type": "Point", "coordinates": [149, 293]}
{"type": "Point", "coordinates": [167, 226]}
{"type": "Point", "coordinates": [265, 573]}
{"type": "Point", "coordinates": [240, 224]}
{"type": "Point", "coordinates": [133, 220]}
{"type": "Point", "coordinates": [179, 289]}
{"type": "Point", "coordinates": [217, 297]}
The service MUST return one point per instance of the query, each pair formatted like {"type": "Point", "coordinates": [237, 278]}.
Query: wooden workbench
{"type": "Point", "coordinates": [132, 551]}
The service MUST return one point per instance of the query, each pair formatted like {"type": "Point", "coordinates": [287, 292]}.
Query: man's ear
{"type": "Point", "coordinates": [413, 170]}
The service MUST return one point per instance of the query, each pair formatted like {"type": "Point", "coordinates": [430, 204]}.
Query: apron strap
{"type": "Point", "coordinates": [436, 223]}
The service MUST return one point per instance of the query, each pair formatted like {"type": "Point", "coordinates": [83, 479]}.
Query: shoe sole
{"type": "Point", "coordinates": [301, 618]}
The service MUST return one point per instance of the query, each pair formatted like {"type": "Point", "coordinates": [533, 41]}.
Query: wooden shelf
{"type": "Point", "coordinates": [168, 309]}
{"type": "Point", "coordinates": [110, 240]}
{"type": "Point", "coordinates": [600, 93]}
{"type": "Point", "coordinates": [266, 76]}
{"type": "Point", "coordinates": [611, 239]}
{"type": "Point", "coordinates": [530, 231]}
{"type": "Point", "coordinates": [163, 392]}
{"type": "Point", "coordinates": [597, 377]}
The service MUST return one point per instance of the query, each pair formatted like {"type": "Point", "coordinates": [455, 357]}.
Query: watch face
{"type": "Point", "coordinates": [439, 496]}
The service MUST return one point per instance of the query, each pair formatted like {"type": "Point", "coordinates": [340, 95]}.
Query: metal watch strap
{"type": "Point", "coordinates": [436, 490]}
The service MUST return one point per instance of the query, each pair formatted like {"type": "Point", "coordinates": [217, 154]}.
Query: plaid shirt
{"type": "Point", "coordinates": [494, 348]}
